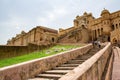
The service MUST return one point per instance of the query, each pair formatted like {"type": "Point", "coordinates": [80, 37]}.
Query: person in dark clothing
{"type": "Point", "coordinates": [99, 44]}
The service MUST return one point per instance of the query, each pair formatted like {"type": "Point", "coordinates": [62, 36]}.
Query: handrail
{"type": "Point", "coordinates": [84, 67]}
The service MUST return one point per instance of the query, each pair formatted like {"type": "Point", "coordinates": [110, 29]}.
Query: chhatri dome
{"type": "Point", "coordinates": [105, 11]}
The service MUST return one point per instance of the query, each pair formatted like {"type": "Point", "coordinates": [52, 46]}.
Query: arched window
{"type": "Point", "coordinates": [113, 27]}
{"type": "Point", "coordinates": [116, 26]}
{"type": "Point", "coordinates": [101, 31]}
{"type": "Point", "coordinates": [83, 27]}
{"type": "Point", "coordinates": [87, 22]}
{"type": "Point", "coordinates": [41, 38]}
{"type": "Point", "coordinates": [114, 40]}
{"type": "Point", "coordinates": [53, 39]}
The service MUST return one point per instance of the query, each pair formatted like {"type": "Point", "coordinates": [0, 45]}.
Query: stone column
{"type": "Point", "coordinates": [92, 35]}
{"type": "Point", "coordinates": [100, 32]}
{"type": "Point", "coordinates": [115, 27]}
{"type": "Point", "coordinates": [97, 33]}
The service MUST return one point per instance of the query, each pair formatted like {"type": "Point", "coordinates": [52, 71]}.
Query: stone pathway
{"type": "Point", "coordinates": [116, 64]}
{"type": "Point", "coordinates": [59, 71]}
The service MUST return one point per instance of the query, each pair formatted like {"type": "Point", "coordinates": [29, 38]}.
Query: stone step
{"type": "Point", "coordinates": [51, 76]}
{"type": "Point", "coordinates": [78, 58]}
{"type": "Point", "coordinates": [56, 71]}
{"type": "Point", "coordinates": [41, 79]}
{"type": "Point", "coordinates": [75, 61]}
{"type": "Point", "coordinates": [69, 65]}
{"type": "Point", "coordinates": [63, 68]}
{"type": "Point", "coordinates": [92, 53]}
{"type": "Point", "coordinates": [93, 50]}
{"type": "Point", "coordinates": [85, 57]}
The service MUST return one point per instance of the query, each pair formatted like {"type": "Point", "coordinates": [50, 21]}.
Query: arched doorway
{"type": "Point", "coordinates": [108, 38]}
{"type": "Point", "coordinates": [113, 27]}
{"type": "Point", "coordinates": [114, 40]}
{"type": "Point", "coordinates": [53, 39]}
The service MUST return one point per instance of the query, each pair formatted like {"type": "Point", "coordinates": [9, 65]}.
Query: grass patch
{"type": "Point", "coordinates": [43, 53]}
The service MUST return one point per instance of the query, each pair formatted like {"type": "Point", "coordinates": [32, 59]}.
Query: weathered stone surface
{"type": "Point", "coordinates": [31, 68]}
{"type": "Point", "coordinates": [39, 35]}
{"type": "Point", "coordinates": [85, 29]}
{"type": "Point", "coordinates": [116, 64]}
{"type": "Point", "coordinates": [89, 70]}
{"type": "Point", "coordinates": [13, 51]}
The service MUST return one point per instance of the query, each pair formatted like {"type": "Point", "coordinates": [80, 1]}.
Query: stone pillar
{"type": "Point", "coordinates": [92, 35]}
{"type": "Point", "coordinates": [97, 33]}
{"type": "Point", "coordinates": [115, 27]}
{"type": "Point", "coordinates": [100, 31]}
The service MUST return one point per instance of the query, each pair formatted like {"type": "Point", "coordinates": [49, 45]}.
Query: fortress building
{"type": "Point", "coordinates": [39, 35]}
{"type": "Point", "coordinates": [86, 28]}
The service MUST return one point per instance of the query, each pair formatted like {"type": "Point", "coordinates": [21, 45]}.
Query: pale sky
{"type": "Point", "coordinates": [18, 15]}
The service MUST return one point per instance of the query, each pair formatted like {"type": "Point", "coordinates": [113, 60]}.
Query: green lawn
{"type": "Point", "coordinates": [46, 52]}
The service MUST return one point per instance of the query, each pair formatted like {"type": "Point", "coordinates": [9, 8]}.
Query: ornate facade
{"type": "Point", "coordinates": [86, 28]}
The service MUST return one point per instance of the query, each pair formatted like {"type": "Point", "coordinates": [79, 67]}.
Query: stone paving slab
{"type": "Point", "coordinates": [116, 64]}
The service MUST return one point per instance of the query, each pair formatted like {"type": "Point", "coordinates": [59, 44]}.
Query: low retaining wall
{"type": "Point", "coordinates": [108, 74]}
{"type": "Point", "coordinates": [31, 68]}
{"type": "Point", "coordinates": [91, 69]}
{"type": "Point", "coordinates": [12, 51]}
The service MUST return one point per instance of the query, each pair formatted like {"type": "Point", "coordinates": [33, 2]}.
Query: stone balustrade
{"type": "Point", "coordinates": [29, 69]}
{"type": "Point", "coordinates": [93, 68]}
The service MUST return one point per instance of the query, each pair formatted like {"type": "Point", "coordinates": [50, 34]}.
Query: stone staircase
{"type": "Point", "coordinates": [58, 71]}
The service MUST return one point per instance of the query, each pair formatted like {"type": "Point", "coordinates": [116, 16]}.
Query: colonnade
{"type": "Point", "coordinates": [96, 33]}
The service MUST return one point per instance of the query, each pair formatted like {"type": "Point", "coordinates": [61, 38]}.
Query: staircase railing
{"type": "Point", "coordinates": [91, 69]}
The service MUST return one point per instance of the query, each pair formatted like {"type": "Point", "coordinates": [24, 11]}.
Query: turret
{"type": "Point", "coordinates": [105, 14]}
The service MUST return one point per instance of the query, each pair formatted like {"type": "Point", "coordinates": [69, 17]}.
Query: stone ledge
{"type": "Point", "coordinates": [28, 69]}
{"type": "Point", "coordinates": [76, 73]}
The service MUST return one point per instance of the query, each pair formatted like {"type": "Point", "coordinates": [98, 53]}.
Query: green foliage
{"type": "Point", "coordinates": [43, 53]}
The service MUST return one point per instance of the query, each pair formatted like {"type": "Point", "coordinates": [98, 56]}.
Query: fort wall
{"type": "Point", "coordinates": [28, 69]}
{"type": "Point", "coordinates": [13, 51]}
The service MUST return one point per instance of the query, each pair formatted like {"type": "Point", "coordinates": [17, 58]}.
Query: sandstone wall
{"type": "Point", "coordinates": [38, 35]}
{"type": "Point", "coordinates": [12, 51]}
{"type": "Point", "coordinates": [31, 68]}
